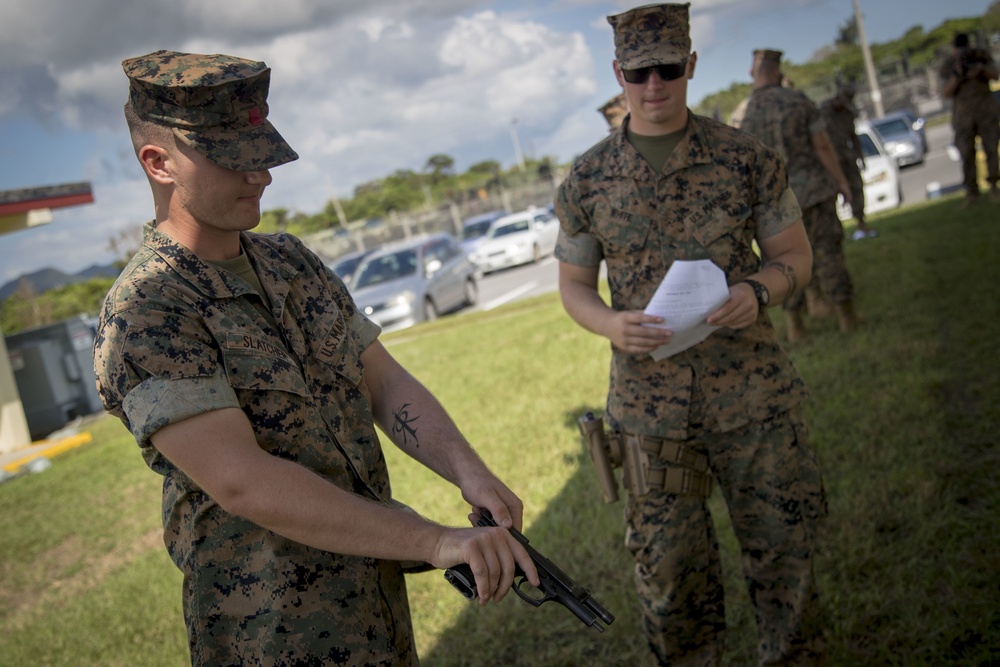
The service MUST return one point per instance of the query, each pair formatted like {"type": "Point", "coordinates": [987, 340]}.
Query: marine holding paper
{"type": "Point", "coordinates": [671, 186]}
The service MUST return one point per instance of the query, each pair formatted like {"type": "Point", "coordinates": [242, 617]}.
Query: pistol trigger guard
{"type": "Point", "coordinates": [533, 601]}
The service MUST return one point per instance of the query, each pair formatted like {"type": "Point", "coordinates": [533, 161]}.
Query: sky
{"type": "Point", "coordinates": [360, 89]}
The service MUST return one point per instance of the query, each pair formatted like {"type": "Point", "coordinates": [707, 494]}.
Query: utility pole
{"type": "Point", "coordinates": [873, 87]}
{"type": "Point", "coordinates": [517, 144]}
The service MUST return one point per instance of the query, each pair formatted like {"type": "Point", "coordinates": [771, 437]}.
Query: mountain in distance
{"type": "Point", "coordinates": [48, 278]}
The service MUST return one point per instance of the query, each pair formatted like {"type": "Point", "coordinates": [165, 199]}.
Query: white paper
{"type": "Point", "coordinates": [689, 293]}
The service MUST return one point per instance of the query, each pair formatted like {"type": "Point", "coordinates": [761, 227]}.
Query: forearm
{"type": "Point", "coordinates": [298, 504]}
{"type": "Point", "coordinates": [827, 156]}
{"type": "Point", "coordinates": [581, 299]}
{"type": "Point", "coordinates": [418, 424]}
{"type": "Point", "coordinates": [787, 263]}
{"type": "Point", "coordinates": [950, 87]}
{"type": "Point", "coordinates": [287, 498]}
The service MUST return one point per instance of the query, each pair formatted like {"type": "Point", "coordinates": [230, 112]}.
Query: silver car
{"type": "Point", "coordinates": [415, 281]}
{"type": "Point", "coordinates": [518, 238]}
{"type": "Point", "coordinates": [901, 139]}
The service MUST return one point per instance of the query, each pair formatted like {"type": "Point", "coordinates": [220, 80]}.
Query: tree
{"type": "Point", "coordinates": [25, 309]}
{"type": "Point", "coordinates": [489, 167]}
{"type": "Point", "coordinates": [125, 243]}
{"type": "Point", "coordinates": [439, 164]}
{"type": "Point", "coordinates": [847, 34]}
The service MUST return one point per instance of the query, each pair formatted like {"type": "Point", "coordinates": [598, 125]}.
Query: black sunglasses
{"type": "Point", "coordinates": [667, 72]}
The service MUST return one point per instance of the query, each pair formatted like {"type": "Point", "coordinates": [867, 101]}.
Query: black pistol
{"type": "Point", "coordinates": [554, 584]}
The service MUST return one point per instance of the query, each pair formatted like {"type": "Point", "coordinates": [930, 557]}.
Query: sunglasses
{"type": "Point", "coordinates": [667, 72]}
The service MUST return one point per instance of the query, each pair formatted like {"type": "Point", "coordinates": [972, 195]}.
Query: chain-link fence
{"type": "Point", "coordinates": [362, 235]}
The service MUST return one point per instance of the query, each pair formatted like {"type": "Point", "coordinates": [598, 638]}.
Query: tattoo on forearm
{"type": "Point", "coordinates": [789, 275]}
{"type": "Point", "coordinates": [403, 424]}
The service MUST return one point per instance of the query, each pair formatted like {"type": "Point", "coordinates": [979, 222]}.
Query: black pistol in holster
{"type": "Point", "coordinates": [554, 584]}
{"type": "Point", "coordinates": [684, 468]}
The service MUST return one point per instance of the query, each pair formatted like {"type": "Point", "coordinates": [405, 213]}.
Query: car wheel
{"type": "Point", "coordinates": [430, 312]}
{"type": "Point", "coordinates": [471, 292]}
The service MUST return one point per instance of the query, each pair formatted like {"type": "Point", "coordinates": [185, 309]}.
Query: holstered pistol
{"type": "Point", "coordinates": [602, 455]}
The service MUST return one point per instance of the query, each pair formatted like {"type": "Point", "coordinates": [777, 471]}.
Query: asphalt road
{"type": "Point", "coordinates": [938, 167]}
{"type": "Point", "coordinates": [529, 280]}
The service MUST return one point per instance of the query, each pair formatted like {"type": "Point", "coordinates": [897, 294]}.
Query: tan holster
{"type": "Point", "coordinates": [679, 466]}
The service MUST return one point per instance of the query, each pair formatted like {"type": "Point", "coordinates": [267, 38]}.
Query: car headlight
{"type": "Point", "coordinates": [402, 299]}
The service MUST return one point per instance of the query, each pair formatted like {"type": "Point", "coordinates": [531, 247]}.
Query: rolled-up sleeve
{"type": "Point", "coordinates": [575, 245]}
{"type": "Point", "coordinates": [775, 206]}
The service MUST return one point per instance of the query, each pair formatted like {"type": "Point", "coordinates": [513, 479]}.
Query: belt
{"type": "Point", "coordinates": [684, 470]}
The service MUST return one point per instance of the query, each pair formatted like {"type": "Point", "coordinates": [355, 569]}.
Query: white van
{"type": "Point", "coordinates": [880, 175]}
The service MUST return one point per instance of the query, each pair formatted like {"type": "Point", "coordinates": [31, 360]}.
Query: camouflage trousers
{"type": "Point", "coordinates": [826, 235]}
{"type": "Point", "coordinates": [965, 142]}
{"type": "Point", "coordinates": [772, 485]}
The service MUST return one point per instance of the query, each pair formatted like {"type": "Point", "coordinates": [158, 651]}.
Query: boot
{"type": "Point", "coordinates": [816, 305]}
{"type": "Point", "coordinates": [794, 328]}
{"type": "Point", "coordinates": [849, 321]}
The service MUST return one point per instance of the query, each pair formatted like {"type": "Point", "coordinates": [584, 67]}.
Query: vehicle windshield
{"type": "Point", "coordinates": [476, 229]}
{"type": "Point", "coordinates": [378, 270]}
{"type": "Point", "coordinates": [868, 147]}
{"type": "Point", "coordinates": [893, 128]}
{"type": "Point", "coordinates": [511, 228]}
{"type": "Point", "coordinates": [346, 267]}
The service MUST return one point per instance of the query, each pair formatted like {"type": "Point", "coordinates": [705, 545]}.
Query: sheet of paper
{"type": "Point", "coordinates": [689, 293]}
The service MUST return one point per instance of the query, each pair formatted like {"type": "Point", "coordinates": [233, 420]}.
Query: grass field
{"type": "Point", "coordinates": [904, 418]}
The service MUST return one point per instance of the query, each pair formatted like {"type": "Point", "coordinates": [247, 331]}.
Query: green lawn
{"type": "Point", "coordinates": [904, 416]}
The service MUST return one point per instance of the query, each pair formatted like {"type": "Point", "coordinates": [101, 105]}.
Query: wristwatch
{"type": "Point", "coordinates": [763, 296]}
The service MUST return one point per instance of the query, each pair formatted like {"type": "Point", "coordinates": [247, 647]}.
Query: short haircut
{"type": "Point", "coordinates": [961, 40]}
{"type": "Point", "coordinates": [146, 132]}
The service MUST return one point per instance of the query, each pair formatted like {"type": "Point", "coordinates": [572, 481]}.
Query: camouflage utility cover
{"type": "Point", "coordinates": [785, 119]}
{"type": "Point", "coordinates": [651, 35]}
{"type": "Point", "coordinates": [178, 337]}
{"type": "Point", "coordinates": [718, 192]}
{"type": "Point", "coordinates": [768, 55]}
{"type": "Point", "coordinates": [216, 104]}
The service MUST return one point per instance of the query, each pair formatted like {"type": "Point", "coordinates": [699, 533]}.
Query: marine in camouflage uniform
{"type": "Point", "coordinates": [729, 407]}
{"type": "Point", "coordinates": [614, 111]}
{"type": "Point", "coordinates": [839, 115]}
{"type": "Point", "coordinates": [787, 121]}
{"type": "Point", "coordinates": [252, 384]}
{"type": "Point", "coordinates": [966, 74]}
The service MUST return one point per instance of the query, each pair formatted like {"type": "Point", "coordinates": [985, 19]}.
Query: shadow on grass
{"type": "Point", "coordinates": [584, 537]}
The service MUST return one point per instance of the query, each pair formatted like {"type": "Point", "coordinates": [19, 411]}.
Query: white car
{"type": "Point", "coordinates": [880, 175]}
{"type": "Point", "coordinates": [518, 238]}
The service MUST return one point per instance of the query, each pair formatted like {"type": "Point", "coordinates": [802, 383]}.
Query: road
{"type": "Point", "coordinates": [520, 282]}
{"type": "Point", "coordinates": [938, 167]}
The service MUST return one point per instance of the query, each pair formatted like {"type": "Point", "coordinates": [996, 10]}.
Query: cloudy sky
{"type": "Point", "coordinates": [359, 88]}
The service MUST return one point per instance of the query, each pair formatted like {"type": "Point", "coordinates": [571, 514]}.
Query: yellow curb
{"type": "Point", "coordinates": [41, 449]}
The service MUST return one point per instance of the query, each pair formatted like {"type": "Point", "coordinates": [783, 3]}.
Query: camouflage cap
{"type": "Point", "coordinates": [652, 35]}
{"type": "Point", "coordinates": [769, 55]}
{"type": "Point", "coordinates": [216, 104]}
{"type": "Point", "coordinates": [615, 110]}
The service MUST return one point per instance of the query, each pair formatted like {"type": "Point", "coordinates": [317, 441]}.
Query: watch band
{"type": "Point", "coordinates": [763, 296]}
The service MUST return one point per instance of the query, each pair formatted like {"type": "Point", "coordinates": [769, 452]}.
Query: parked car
{"type": "Point", "coordinates": [415, 281]}
{"type": "Point", "coordinates": [919, 124]}
{"type": "Point", "coordinates": [904, 143]}
{"type": "Point", "coordinates": [476, 227]}
{"type": "Point", "coordinates": [880, 175]}
{"type": "Point", "coordinates": [345, 265]}
{"type": "Point", "coordinates": [518, 238]}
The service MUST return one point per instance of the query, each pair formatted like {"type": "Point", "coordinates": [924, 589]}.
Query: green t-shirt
{"type": "Point", "coordinates": [655, 150]}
